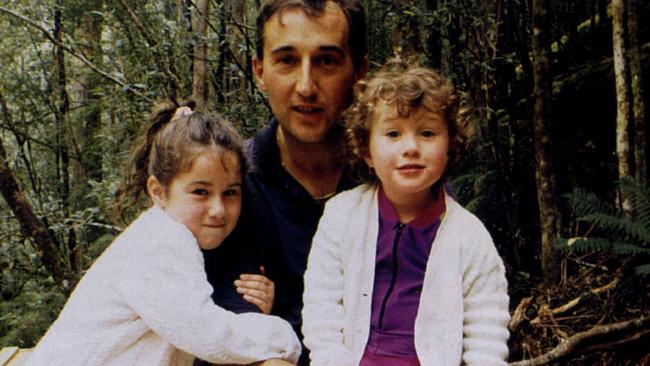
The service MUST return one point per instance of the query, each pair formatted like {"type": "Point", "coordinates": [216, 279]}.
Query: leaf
{"type": "Point", "coordinates": [643, 270]}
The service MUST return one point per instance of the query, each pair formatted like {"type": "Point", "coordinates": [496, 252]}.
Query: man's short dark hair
{"type": "Point", "coordinates": [352, 9]}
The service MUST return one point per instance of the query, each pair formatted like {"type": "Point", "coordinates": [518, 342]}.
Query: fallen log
{"type": "Point", "coordinates": [598, 337]}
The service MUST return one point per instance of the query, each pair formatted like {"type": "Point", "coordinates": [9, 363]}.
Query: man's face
{"type": "Point", "coordinates": [307, 70]}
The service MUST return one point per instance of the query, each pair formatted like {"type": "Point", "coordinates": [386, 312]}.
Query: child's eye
{"type": "Point", "coordinates": [231, 193]}
{"type": "Point", "coordinates": [392, 134]}
{"type": "Point", "coordinates": [428, 133]}
{"type": "Point", "coordinates": [200, 192]}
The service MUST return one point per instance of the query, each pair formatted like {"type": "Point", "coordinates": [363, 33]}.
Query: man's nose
{"type": "Point", "coordinates": [306, 85]}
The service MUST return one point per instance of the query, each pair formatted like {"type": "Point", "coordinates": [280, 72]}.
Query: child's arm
{"type": "Point", "coordinates": [259, 290]}
{"type": "Point", "coordinates": [485, 300]}
{"type": "Point", "coordinates": [169, 291]}
{"type": "Point", "coordinates": [323, 312]}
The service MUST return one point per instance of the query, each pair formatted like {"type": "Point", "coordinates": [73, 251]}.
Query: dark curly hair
{"type": "Point", "coordinates": [408, 87]}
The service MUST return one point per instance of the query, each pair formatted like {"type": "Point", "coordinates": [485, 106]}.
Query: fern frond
{"type": "Point", "coordinates": [583, 244]}
{"type": "Point", "coordinates": [617, 226]}
{"type": "Point", "coordinates": [585, 203]}
{"type": "Point", "coordinates": [643, 270]}
{"type": "Point", "coordinates": [628, 249]}
{"type": "Point", "coordinates": [620, 234]}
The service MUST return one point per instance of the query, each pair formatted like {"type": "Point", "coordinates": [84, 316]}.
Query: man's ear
{"type": "Point", "coordinates": [156, 191]}
{"type": "Point", "coordinates": [258, 70]}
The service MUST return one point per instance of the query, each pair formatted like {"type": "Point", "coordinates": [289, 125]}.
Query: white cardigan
{"type": "Point", "coordinates": [463, 311]}
{"type": "Point", "coordinates": [146, 301]}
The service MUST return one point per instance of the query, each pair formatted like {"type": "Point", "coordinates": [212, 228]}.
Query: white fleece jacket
{"type": "Point", "coordinates": [463, 312]}
{"type": "Point", "coordinates": [146, 301]}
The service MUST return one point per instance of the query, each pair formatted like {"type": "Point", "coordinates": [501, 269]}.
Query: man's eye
{"type": "Point", "coordinates": [286, 60]}
{"type": "Point", "coordinates": [327, 60]}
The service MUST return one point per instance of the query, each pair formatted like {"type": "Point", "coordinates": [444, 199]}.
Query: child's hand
{"type": "Point", "coordinates": [257, 289]}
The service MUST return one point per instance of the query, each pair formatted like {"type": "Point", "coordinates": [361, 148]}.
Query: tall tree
{"type": "Point", "coordinates": [89, 86]}
{"type": "Point", "coordinates": [61, 114]}
{"type": "Point", "coordinates": [549, 213]}
{"type": "Point", "coordinates": [638, 105]}
{"type": "Point", "coordinates": [622, 100]}
{"type": "Point", "coordinates": [200, 72]}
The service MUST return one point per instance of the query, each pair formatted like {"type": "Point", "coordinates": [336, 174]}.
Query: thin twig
{"type": "Point", "coordinates": [69, 50]}
{"type": "Point", "coordinates": [549, 313]}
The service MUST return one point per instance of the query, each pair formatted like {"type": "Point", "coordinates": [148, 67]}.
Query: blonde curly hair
{"type": "Point", "coordinates": [408, 87]}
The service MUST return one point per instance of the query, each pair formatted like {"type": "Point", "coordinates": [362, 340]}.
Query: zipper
{"type": "Point", "coordinates": [393, 279]}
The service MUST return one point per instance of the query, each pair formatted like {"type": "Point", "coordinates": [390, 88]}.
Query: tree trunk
{"type": "Point", "coordinates": [638, 105]}
{"type": "Point", "coordinates": [219, 79]}
{"type": "Point", "coordinates": [61, 115]}
{"type": "Point", "coordinates": [549, 214]}
{"type": "Point", "coordinates": [237, 11]}
{"type": "Point", "coordinates": [200, 71]}
{"type": "Point", "coordinates": [90, 142]}
{"type": "Point", "coordinates": [186, 21]}
{"type": "Point", "coordinates": [31, 226]}
{"type": "Point", "coordinates": [622, 100]}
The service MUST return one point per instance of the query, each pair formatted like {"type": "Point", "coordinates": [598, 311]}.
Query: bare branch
{"type": "Point", "coordinates": [575, 302]}
{"type": "Point", "coordinates": [160, 59]}
{"type": "Point", "coordinates": [74, 54]}
{"type": "Point", "coordinates": [623, 332]}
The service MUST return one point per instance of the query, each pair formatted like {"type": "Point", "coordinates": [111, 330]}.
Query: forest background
{"type": "Point", "coordinates": [558, 173]}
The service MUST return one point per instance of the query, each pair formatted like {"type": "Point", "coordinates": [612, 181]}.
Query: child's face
{"type": "Point", "coordinates": [409, 154]}
{"type": "Point", "coordinates": [206, 198]}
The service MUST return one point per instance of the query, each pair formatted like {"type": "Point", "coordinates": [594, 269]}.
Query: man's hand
{"type": "Point", "coordinates": [257, 289]}
{"type": "Point", "coordinates": [273, 362]}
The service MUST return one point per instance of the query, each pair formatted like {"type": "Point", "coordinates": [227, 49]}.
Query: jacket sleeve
{"type": "Point", "coordinates": [485, 302]}
{"type": "Point", "coordinates": [323, 313]}
{"type": "Point", "coordinates": [167, 288]}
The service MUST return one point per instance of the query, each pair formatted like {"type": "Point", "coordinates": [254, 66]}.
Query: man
{"type": "Point", "coordinates": [309, 55]}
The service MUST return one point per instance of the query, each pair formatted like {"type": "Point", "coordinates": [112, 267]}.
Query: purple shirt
{"type": "Point", "coordinates": [402, 254]}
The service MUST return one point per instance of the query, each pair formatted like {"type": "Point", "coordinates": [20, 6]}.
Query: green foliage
{"type": "Point", "coordinates": [624, 233]}
{"type": "Point", "coordinates": [25, 318]}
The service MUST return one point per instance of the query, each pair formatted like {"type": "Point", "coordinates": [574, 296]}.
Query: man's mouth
{"type": "Point", "coordinates": [307, 109]}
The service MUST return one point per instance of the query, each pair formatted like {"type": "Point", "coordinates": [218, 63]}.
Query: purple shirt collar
{"type": "Point", "coordinates": [433, 213]}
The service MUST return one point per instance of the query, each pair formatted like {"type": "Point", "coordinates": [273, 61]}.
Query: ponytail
{"type": "Point", "coordinates": [134, 184]}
